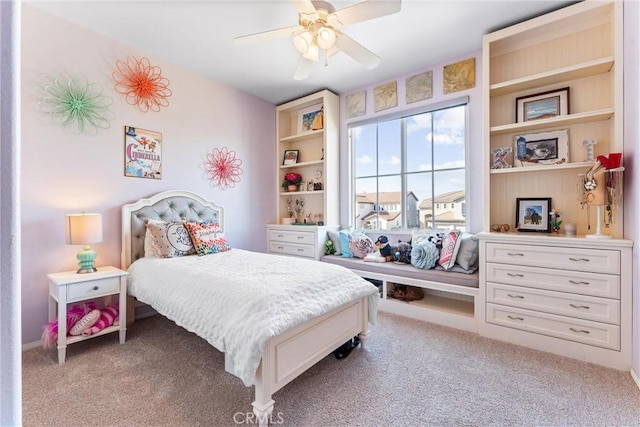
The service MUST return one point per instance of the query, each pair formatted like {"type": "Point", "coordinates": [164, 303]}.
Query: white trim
{"type": "Point", "coordinates": [635, 377]}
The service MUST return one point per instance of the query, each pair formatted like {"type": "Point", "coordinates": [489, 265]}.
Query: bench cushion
{"type": "Point", "coordinates": [406, 270]}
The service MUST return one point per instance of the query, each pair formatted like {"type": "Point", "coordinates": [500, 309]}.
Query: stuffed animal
{"type": "Point", "coordinates": [74, 314]}
{"type": "Point", "coordinates": [108, 316]}
{"type": "Point", "coordinates": [385, 248]}
{"type": "Point", "coordinates": [403, 253]}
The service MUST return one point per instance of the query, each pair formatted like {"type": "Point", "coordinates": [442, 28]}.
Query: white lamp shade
{"type": "Point", "coordinates": [84, 228]}
{"type": "Point", "coordinates": [326, 38]}
{"type": "Point", "coordinates": [303, 41]}
{"type": "Point", "coordinates": [312, 53]}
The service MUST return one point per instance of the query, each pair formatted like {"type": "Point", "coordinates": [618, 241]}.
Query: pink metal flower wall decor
{"type": "Point", "coordinates": [223, 168]}
{"type": "Point", "coordinates": [142, 83]}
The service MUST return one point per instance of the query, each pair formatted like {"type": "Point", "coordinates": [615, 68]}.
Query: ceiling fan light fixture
{"type": "Point", "coordinates": [326, 37]}
{"type": "Point", "coordinates": [312, 53]}
{"type": "Point", "coordinates": [303, 41]}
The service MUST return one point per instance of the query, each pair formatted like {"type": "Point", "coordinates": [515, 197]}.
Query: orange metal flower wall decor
{"type": "Point", "coordinates": [222, 167]}
{"type": "Point", "coordinates": [142, 83]}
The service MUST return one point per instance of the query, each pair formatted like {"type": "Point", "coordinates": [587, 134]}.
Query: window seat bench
{"type": "Point", "coordinates": [450, 297]}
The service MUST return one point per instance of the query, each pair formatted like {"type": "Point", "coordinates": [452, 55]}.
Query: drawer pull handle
{"type": "Point", "coordinates": [300, 250]}
{"type": "Point", "coordinates": [580, 259]}
{"type": "Point", "coordinates": [514, 317]}
{"type": "Point", "coordinates": [280, 247]}
{"type": "Point", "coordinates": [579, 306]}
{"type": "Point", "coordinates": [515, 274]}
{"type": "Point", "coordinates": [95, 288]}
{"type": "Point", "coordinates": [280, 235]}
{"type": "Point", "coordinates": [515, 296]}
{"type": "Point", "coordinates": [300, 237]}
{"type": "Point", "coordinates": [578, 282]}
{"type": "Point", "coordinates": [580, 331]}
{"type": "Point", "coordinates": [515, 254]}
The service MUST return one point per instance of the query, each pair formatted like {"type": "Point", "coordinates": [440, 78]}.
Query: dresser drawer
{"type": "Point", "coordinates": [301, 237]}
{"type": "Point", "coordinates": [579, 306]}
{"type": "Point", "coordinates": [291, 249]}
{"type": "Point", "coordinates": [93, 289]}
{"type": "Point", "coordinates": [583, 331]}
{"type": "Point", "coordinates": [599, 285]}
{"type": "Point", "coordinates": [594, 260]}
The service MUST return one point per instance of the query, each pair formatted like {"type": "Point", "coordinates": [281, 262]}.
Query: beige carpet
{"type": "Point", "coordinates": [412, 373]}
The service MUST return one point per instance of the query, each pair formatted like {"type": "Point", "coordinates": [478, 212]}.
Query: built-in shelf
{"type": "Point", "coordinates": [553, 122]}
{"type": "Point", "coordinates": [576, 165]}
{"type": "Point", "coordinates": [302, 164]}
{"type": "Point", "coordinates": [577, 71]}
{"type": "Point", "coordinates": [291, 193]}
{"type": "Point", "coordinates": [307, 136]}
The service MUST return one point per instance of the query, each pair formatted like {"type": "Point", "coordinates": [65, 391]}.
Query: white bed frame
{"type": "Point", "coordinates": [285, 356]}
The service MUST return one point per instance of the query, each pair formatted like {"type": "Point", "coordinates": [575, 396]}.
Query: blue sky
{"type": "Point", "coordinates": [448, 152]}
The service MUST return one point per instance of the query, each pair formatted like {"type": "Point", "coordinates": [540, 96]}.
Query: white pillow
{"type": "Point", "coordinates": [149, 244]}
{"type": "Point", "coordinates": [170, 239]}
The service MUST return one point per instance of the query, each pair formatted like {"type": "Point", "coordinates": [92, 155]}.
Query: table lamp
{"type": "Point", "coordinates": [83, 229]}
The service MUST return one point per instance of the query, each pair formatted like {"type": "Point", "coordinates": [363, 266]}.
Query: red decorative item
{"type": "Point", "coordinates": [223, 168]}
{"type": "Point", "coordinates": [142, 83]}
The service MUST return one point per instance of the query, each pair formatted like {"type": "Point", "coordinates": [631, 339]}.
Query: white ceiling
{"type": "Point", "coordinates": [198, 35]}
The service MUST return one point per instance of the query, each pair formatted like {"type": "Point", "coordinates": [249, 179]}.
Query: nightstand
{"type": "Point", "coordinates": [69, 287]}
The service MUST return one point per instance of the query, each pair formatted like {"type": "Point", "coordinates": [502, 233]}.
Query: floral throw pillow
{"type": "Point", "coordinates": [169, 239]}
{"type": "Point", "coordinates": [361, 245]}
{"type": "Point", "coordinates": [207, 237]}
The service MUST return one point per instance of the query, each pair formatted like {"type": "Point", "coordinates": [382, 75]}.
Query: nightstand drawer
{"type": "Point", "coordinates": [599, 285]}
{"type": "Point", "coordinates": [93, 289]}
{"type": "Point", "coordinates": [577, 259]}
{"type": "Point", "coordinates": [290, 249]}
{"type": "Point", "coordinates": [301, 237]}
{"type": "Point", "coordinates": [584, 331]}
{"type": "Point", "coordinates": [579, 306]}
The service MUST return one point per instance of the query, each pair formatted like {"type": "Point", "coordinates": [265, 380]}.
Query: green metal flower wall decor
{"type": "Point", "coordinates": [76, 104]}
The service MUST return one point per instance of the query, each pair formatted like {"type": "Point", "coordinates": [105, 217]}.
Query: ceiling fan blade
{"type": "Point", "coordinates": [358, 52]}
{"type": "Point", "coordinates": [304, 6]}
{"type": "Point", "coordinates": [364, 11]}
{"type": "Point", "coordinates": [303, 68]}
{"type": "Point", "coordinates": [266, 35]}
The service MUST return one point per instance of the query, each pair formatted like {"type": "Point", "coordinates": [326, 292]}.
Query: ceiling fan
{"type": "Point", "coordinates": [317, 30]}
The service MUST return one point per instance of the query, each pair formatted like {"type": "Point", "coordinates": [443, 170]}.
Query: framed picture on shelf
{"type": "Point", "coordinates": [543, 105]}
{"type": "Point", "coordinates": [532, 214]}
{"type": "Point", "coordinates": [310, 119]}
{"type": "Point", "coordinates": [290, 157]}
{"type": "Point", "coordinates": [544, 148]}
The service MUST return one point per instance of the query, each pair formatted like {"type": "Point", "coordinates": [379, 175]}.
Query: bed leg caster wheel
{"type": "Point", "coordinates": [263, 412]}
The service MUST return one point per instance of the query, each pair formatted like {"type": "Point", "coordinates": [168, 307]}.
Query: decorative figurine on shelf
{"type": "Point", "coordinates": [500, 157]}
{"type": "Point", "coordinates": [555, 220]}
{"type": "Point", "coordinates": [589, 143]}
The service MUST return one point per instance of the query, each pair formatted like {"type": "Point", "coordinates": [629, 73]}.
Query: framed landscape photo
{"type": "Point", "coordinates": [290, 157]}
{"type": "Point", "coordinates": [544, 148]}
{"type": "Point", "coordinates": [532, 214]}
{"type": "Point", "coordinates": [543, 105]}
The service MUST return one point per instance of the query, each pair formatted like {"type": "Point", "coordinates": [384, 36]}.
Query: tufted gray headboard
{"type": "Point", "coordinates": [173, 205]}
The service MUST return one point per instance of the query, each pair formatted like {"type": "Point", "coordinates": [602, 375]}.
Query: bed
{"type": "Point", "coordinates": [301, 310]}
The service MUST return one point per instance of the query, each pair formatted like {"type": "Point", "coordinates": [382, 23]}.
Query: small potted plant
{"type": "Point", "coordinates": [555, 220]}
{"type": "Point", "coordinates": [291, 181]}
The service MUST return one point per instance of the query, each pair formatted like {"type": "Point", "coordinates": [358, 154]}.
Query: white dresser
{"type": "Point", "coordinates": [306, 241]}
{"type": "Point", "coordinates": [565, 295]}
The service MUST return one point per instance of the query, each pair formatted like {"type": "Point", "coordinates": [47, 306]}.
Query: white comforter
{"type": "Point", "coordinates": [238, 300]}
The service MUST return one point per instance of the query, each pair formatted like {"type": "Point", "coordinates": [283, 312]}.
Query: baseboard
{"type": "Point", "coordinates": [635, 377]}
{"type": "Point", "coordinates": [31, 345]}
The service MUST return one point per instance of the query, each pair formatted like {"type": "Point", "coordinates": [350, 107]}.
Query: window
{"type": "Point", "coordinates": [413, 165]}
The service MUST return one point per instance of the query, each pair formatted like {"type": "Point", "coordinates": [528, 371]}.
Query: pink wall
{"type": "Point", "coordinates": [66, 173]}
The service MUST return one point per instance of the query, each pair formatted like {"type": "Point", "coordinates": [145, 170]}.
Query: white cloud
{"type": "Point", "coordinates": [365, 159]}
